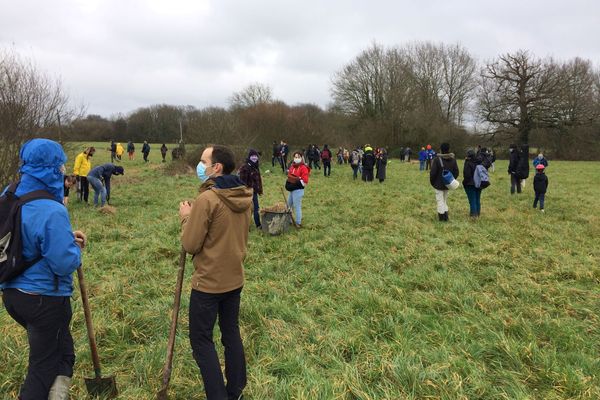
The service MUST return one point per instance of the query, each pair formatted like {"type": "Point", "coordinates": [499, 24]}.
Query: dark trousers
{"type": "Point", "coordinates": [354, 171]}
{"type": "Point", "coordinates": [204, 308]}
{"type": "Point", "coordinates": [145, 156]}
{"type": "Point", "coordinates": [275, 157]}
{"type": "Point", "coordinates": [427, 164]}
{"type": "Point", "coordinates": [84, 188]}
{"type": "Point", "coordinates": [256, 209]}
{"type": "Point", "coordinates": [282, 163]}
{"type": "Point", "coordinates": [540, 197]}
{"type": "Point", "coordinates": [51, 351]}
{"type": "Point", "coordinates": [327, 167]}
{"type": "Point", "coordinates": [474, 197]}
{"type": "Point", "coordinates": [515, 183]}
{"type": "Point", "coordinates": [367, 175]}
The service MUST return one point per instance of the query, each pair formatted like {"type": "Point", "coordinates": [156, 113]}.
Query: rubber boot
{"type": "Point", "coordinates": [440, 217]}
{"type": "Point", "coordinates": [446, 216]}
{"type": "Point", "coordinates": [60, 388]}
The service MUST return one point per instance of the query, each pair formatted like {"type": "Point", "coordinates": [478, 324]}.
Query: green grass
{"type": "Point", "coordinates": [372, 299]}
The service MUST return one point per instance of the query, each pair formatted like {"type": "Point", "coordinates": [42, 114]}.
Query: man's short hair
{"type": "Point", "coordinates": [224, 156]}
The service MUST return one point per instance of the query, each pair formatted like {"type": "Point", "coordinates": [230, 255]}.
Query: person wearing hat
{"type": "Point", "coordinates": [444, 160]}
{"type": "Point", "coordinates": [39, 298]}
{"type": "Point", "coordinates": [250, 174]}
{"type": "Point", "coordinates": [540, 184]}
{"type": "Point", "coordinates": [103, 173]}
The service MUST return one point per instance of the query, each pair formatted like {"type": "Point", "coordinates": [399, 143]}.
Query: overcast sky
{"type": "Point", "coordinates": [118, 55]}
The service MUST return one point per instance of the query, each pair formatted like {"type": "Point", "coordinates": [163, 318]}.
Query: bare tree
{"type": "Point", "coordinates": [518, 93]}
{"type": "Point", "coordinates": [30, 104]}
{"type": "Point", "coordinates": [252, 95]}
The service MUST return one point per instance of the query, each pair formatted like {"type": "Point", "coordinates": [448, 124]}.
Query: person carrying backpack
{"type": "Point", "coordinates": [131, 150]}
{"type": "Point", "coordinates": [146, 150]}
{"type": "Point", "coordinates": [473, 192]}
{"type": "Point", "coordinates": [39, 297]}
{"type": "Point", "coordinates": [355, 163]}
{"type": "Point", "coordinates": [444, 161]}
{"type": "Point", "coordinates": [326, 157]}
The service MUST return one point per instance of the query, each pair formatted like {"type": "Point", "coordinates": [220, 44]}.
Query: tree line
{"type": "Point", "coordinates": [406, 95]}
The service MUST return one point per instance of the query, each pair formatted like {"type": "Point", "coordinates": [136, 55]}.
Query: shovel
{"type": "Point", "coordinates": [162, 393]}
{"type": "Point", "coordinates": [98, 386]}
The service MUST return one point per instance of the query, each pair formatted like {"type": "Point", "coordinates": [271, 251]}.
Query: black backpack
{"type": "Point", "coordinates": [12, 263]}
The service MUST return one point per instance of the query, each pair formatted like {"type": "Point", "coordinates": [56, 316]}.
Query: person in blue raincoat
{"type": "Point", "coordinates": [39, 298]}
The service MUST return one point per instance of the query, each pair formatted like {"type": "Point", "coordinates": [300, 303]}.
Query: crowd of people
{"type": "Point", "coordinates": [215, 228]}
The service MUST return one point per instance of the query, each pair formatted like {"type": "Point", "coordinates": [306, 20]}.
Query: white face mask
{"type": "Point", "coordinates": [297, 160]}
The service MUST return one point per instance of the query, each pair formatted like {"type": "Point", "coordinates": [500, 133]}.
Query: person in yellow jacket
{"type": "Point", "coordinates": [120, 151]}
{"type": "Point", "coordinates": [82, 167]}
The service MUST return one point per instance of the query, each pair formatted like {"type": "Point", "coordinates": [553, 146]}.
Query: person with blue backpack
{"type": "Point", "coordinates": [472, 189]}
{"type": "Point", "coordinates": [37, 290]}
{"type": "Point", "coordinates": [442, 164]}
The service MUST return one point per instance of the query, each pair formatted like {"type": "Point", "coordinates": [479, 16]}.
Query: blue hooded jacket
{"type": "Point", "coordinates": [45, 225]}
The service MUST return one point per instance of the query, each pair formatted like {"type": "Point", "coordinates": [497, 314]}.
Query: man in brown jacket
{"type": "Point", "coordinates": [215, 231]}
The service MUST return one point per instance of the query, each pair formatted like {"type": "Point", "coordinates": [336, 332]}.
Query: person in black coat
{"type": "Point", "coordinates": [540, 185]}
{"type": "Point", "coordinates": [368, 163]}
{"type": "Point", "coordinates": [381, 164]}
{"type": "Point", "coordinates": [473, 193]}
{"type": "Point", "coordinates": [444, 160]}
{"type": "Point", "coordinates": [523, 164]}
{"type": "Point", "coordinates": [515, 181]}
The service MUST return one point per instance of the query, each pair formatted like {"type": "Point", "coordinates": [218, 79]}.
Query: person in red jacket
{"type": "Point", "coordinates": [297, 179]}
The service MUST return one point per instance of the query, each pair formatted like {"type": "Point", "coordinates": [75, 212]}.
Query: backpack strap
{"type": "Point", "coordinates": [35, 195]}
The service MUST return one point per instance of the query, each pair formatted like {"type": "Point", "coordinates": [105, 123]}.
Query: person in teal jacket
{"type": "Point", "coordinates": [39, 298]}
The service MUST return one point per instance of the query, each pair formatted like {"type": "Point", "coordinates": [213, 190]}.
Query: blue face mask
{"type": "Point", "coordinates": [201, 171]}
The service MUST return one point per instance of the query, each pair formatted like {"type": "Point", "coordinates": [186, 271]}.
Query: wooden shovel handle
{"type": "Point", "coordinates": [88, 322]}
{"type": "Point", "coordinates": [174, 317]}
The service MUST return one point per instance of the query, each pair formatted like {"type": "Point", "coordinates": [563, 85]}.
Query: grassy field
{"type": "Point", "coordinates": [372, 299]}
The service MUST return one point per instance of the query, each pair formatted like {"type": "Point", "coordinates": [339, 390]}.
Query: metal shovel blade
{"type": "Point", "coordinates": [103, 387]}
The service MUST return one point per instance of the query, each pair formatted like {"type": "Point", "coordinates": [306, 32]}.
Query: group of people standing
{"type": "Point", "coordinates": [84, 176]}
{"type": "Point", "coordinates": [444, 172]}
{"type": "Point", "coordinates": [117, 151]}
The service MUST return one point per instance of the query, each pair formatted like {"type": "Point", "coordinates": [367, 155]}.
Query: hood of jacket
{"type": "Point", "coordinates": [41, 160]}
{"type": "Point", "coordinates": [233, 193]}
{"type": "Point", "coordinates": [446, 156]}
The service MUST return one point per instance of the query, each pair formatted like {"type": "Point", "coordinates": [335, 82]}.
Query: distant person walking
{"type": "Point", "coordinates": [146, 150]}
{"type": "Point", "coordinates": [163, 151]}
{"type": "Point", "coordinates": [83, 165]}
{"type": "Point", "coordinates": [297, 179]}
{"type": "Point", "coordinates": [131, 150]}
{"type": "Point", "coordinates": [215, 232]}
{"type": "Point", "coordinates": [326, 157]}
{"type": "Point", "coordinates": [368, 163]}
{"type": "Point", "coordinates": [250, 174]}
{"type": "Point", "coordinates": [276, 153]}
{"type": "Point", "coordinates": [523, 165]}
{"type": "Point", "coordinates": [444, 161]}
{"type": "Point", "coordinates": [407, 154]}
{"type": "Point", "coordinates": [381, 164]}
{"type": "Point", "coordinates": [99, 178]}
{"type": "Point", "coordinates": [540, 185]}
{"type": "Point", "coordinates": [430, 156]}
{"type": "Point", "coordinates": [473, 193]}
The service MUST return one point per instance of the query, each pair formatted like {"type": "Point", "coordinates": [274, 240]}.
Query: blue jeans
{"type": "Point", "coordinates": [421, 165]}
{"type": "Point", "coordinates": [256, 208]}
{"type": "Point", "coordinates": [99, 189]}
{"type": "Point", "coordinates": [474, 196]}
{"type": "Point", "coordinates": [295, 200]}
{"type": "Point", "coordinates": [540, 197]}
